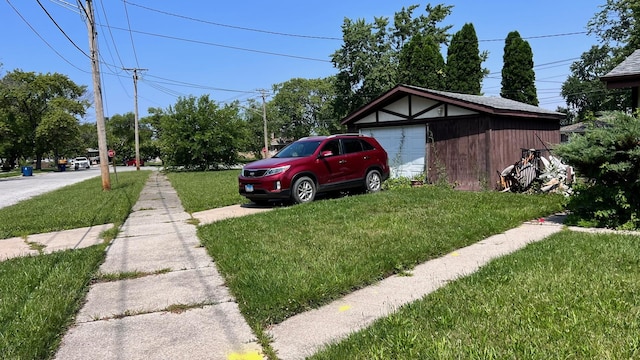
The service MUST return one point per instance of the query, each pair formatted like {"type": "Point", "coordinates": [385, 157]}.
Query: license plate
{"type": "Point", "coordinates": [248, 188]}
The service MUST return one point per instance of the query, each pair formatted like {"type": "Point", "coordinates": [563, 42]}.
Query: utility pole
{"type": "Point", "coordinates": [264, 119]}
{"type": "Point", "coordinates": [97, 95]}
{"type": "Point", "coordinates": [135, 101]}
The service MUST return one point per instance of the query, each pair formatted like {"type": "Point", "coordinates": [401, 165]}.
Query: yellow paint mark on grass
{"type": "Point", "coordinates": [249, 355]}
{"type": "Point", "coordinates": [344, 308]}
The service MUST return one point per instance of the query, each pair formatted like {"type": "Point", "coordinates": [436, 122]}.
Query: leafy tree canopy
{"type": "Point", "coordinates": [33, 106]}
{"type": "Point", "coordinates": [303, 107]}
{"type": "Point", "coordinates": [199, 134]}
{"type": "Point", "coordinates": [368, 60]}
{"type": "Point", "coordinates": [616, 25]}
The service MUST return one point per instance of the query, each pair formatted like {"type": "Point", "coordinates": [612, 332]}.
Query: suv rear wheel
{"type": "Point", "coordinates": [373, 181]}
{"type": "Point", "coordinates": [304, 190]}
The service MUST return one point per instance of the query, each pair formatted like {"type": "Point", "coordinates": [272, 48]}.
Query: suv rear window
{"type": "Point", "coordinates": [356, 145]}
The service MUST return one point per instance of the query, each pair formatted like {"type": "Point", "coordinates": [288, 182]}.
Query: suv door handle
{"type": "Point", "coordinates": [342, 161]}
{"type": "Point", "coordinates": [366, 158]}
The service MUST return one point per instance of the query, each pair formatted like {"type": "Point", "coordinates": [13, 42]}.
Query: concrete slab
{"type": "Point", "coordinates": [213, 332]}
{"type": "Point", "coordinates": [53, 241]}
{"type": "Point", "coordinates": [154, 293]}
{"type": "Point", "coordinates": [158, 215]}
{"type": "Point", "coordinates": [155, 252]}
{"type": "Point", "coordinates": [146, 227]}
{"type": "Point", "coordinates": [213, 215]}
{"type": "Point", "coordinates": [70, 239]}
{"type": "Point", "coordinates": [15, 247]}
{"type": "Point", "coordinates": [304, 334]}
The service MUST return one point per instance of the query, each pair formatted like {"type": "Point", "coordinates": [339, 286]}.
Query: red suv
{"type": "Point", "coordinates": [315, 165]}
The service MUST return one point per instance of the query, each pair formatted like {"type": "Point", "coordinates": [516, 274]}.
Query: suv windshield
{"type": "Point", "coordinates": [298, 149]}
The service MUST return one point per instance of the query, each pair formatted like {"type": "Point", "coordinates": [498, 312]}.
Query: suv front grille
{"type": "Point", "coordinates": [253, 172]}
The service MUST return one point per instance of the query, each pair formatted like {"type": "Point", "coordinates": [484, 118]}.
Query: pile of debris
{"type": "Point", "coordinates": [554, 175]}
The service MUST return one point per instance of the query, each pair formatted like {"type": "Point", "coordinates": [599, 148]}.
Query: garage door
{"type": "Point", "coordinates": [405, 146]}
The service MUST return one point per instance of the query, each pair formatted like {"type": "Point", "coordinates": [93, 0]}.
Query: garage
{"type": "Point", "coordinates": [405, 147]}
{"type": "Point", "coordinates": [461, 139]}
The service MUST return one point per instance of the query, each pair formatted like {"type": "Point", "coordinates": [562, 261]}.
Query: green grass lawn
{"type": "Point", "coordinates": [75, 206]}
{"type": "Point", "coordinates": [572, 296]}
{"type": "Point", "coordinates": [40, 295]}
{"type": "Point", "coordinates": [292, 259]}
{"type": "Point", "coordinates": [207, 190]}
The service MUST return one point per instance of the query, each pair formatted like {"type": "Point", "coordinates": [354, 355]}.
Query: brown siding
{"type": "Point", "coordinates": [510, 135]}
{"type": "Point", "coordinates": [458, 148]}
{"type": "Point", "coordinates": [473, 150]}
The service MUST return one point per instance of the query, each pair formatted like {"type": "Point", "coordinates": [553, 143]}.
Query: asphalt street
{"type": "Point", "coordinates": [17, 188]}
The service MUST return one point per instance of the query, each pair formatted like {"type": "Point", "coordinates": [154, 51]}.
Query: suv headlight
{"type": "Point", "coordinates": [277, 170]}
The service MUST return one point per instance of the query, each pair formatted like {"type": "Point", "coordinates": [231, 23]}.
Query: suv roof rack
{"type": "Point", "coordinates": [347, 134]}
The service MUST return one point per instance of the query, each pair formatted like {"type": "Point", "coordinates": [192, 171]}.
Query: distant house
{"type": "Point", "coordinates": [626, 75]}
{"type": "Point", "coordinates": [467, 138]}
{"type": "Point", "coordinates": [579, 128]}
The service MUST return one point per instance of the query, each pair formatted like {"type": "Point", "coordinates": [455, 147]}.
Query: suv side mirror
{"type": "Point", "coordinates": [326, 153]}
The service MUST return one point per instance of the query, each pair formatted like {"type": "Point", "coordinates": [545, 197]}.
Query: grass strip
{"type": "Point", "coordinates": [571, 296]}
{"type": "Point", "coordinates": [39, 298]}
{"type": "Point", "coordinates": [290, 260]}
{"type": "Point", "coordinates": [200, 191]}
{"type": "Point", "coordinates": [79, 205]}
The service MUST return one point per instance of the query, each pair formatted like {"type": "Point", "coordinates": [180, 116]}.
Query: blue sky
{"type": "Point", "coordinates": [230, 49]}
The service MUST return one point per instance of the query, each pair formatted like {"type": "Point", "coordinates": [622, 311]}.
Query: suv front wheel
{"type": "Point", "coordinates": [304, 190]}
{"type": "Point", "coordinates": [373, 181]}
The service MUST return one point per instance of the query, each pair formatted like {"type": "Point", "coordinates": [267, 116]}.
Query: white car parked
{"type": "Point", "coordinates": [81, 162]}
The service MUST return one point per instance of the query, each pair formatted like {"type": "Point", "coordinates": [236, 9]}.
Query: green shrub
{"type": "Point", "coordinates": [608, 159]}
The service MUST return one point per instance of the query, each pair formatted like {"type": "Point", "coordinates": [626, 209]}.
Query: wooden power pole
{"type": "Point", "coordinates": [136, 126]}
{"type": "Point", "coordinates": [97, 95]}
{"type": "Point", "coordinates": [264, 120]}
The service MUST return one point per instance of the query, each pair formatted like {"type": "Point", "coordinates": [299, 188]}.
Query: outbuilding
{"type": "Point", "coordinates": [465, 140]}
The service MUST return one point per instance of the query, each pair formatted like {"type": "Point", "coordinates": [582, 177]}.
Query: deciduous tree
{"type": "Point", "coordinates": [583, 90]}
{"type": "Point", "coordinates": [303, 107]}
{"type": "Point", "coordinates": [198, 134]}
{"type": "Point", "coordinates": [367, 62]}
{"type": "Point", "coordinates": [27, 99]}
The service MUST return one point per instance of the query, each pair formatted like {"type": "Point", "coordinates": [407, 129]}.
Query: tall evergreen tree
{"type": "Point", "coordinates": [464, 71]}
{"type": "Point", "coordinates": [421, 63]}
{"type": "Point", "coordinates": [518, 77]}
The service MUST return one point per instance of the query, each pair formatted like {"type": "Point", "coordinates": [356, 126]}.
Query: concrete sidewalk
{"type": "Point", "coordinates": [180, 310]}
{"type": "Point", "coordinates": [305, 334]}
{"type": "Point", "coordinates": [50, 242]}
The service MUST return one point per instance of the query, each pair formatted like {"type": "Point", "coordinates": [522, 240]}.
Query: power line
{"type": "Point", "coordinates": [133, 47]}
{"type": "Point", "coordinates": [220, 45]}
{"type": "Point", "coordinates": [45, 41]}
{"type": "Point", "coordinates": [62, 31]}
{"type": "Point", "coordinates": [115, 47]}
{"type": "Point", "coordinates": [186, 84]}
{"type": "Point", "coordinates": [232, 26]}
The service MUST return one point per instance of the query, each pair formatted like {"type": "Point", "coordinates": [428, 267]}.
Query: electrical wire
{"type": "Point", "coordinates": [220, 45]}
{"type": "Point", "coordinates": [45, 41]}
{"type": "Point", "coordinates": [232, 26]}
{"type": "Point", "coordinates": [186, 84]}
{"type": "Point", "coordinates": [62, 31]}
{"type": "Point", "coordinates": [133, 46]}
{"type": "Point", "coordinates": [113, 41]}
